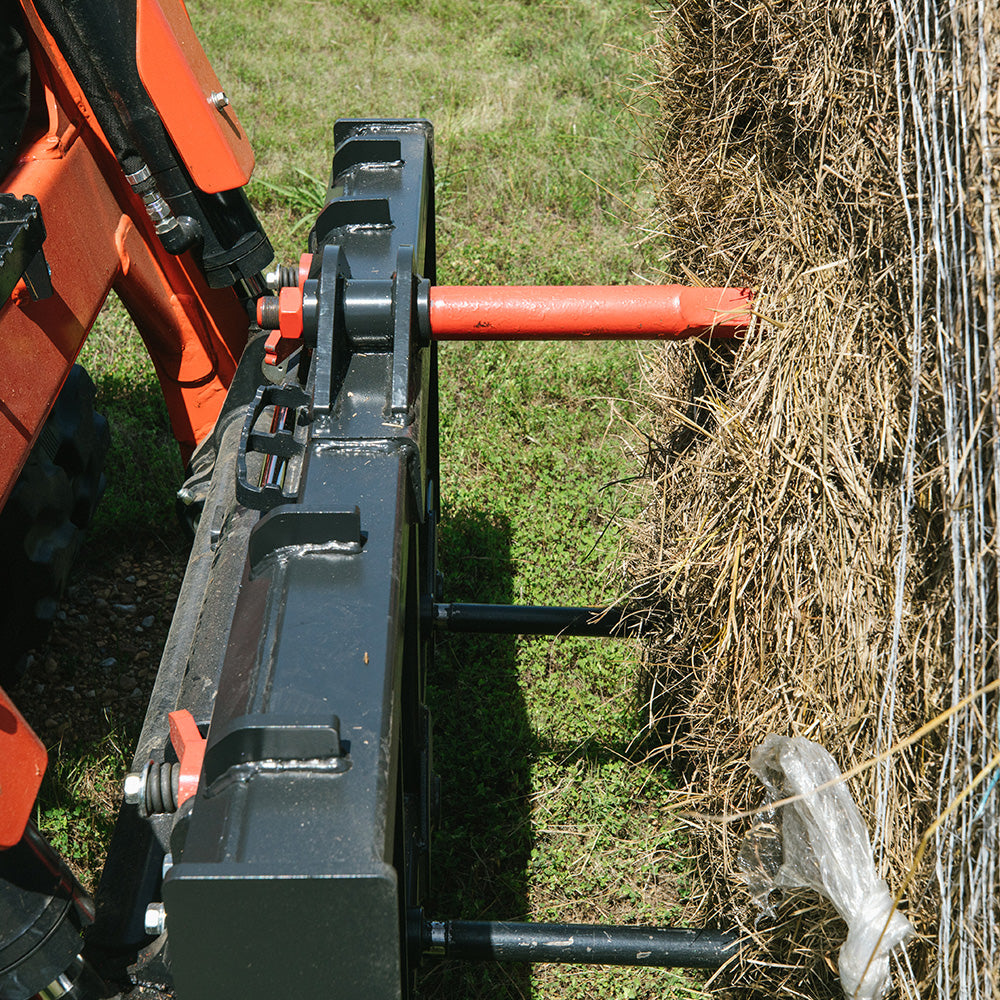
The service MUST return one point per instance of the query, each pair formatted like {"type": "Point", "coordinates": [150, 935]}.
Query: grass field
{"type": "Point", "coordinates": [548, 812]}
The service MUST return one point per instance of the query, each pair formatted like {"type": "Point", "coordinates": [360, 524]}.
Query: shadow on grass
{"type": "Point", "coordinates": [482, 748]}
{"type": "Point", "coordinates": [143, 470]}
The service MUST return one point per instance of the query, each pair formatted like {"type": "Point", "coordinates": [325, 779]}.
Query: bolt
{"type": "Point", "coordinates": [156, 919]}
{"type": "Point", "coordinates": [218, 100]}
{"type": "Point", "coordinates": [268, 312]}
{"type": "Point", "coordinates": [133, 787]}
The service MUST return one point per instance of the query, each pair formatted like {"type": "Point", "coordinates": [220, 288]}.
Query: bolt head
{"type": "Point", "coordinates": [218, 100]}
{"type": "Point", "coordinates": [155, 922]}
{"type": "Point", "coordinates": [133, 788]}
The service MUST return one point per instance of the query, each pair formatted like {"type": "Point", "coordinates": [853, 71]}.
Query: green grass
{"type": "Point", "coordinates": [549, 816]}
{"type": "Point", "coordinates": [78, 802]}
{"type": "Point", "coordinates": [547, 813]}
{"type": "Point", "coordinates": [144, 467]}
{"type": "Point", "coordinates": [525, 99]}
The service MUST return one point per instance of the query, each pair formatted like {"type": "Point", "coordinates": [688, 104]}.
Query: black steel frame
{"type": "Point", "coordinates": [301, 646]}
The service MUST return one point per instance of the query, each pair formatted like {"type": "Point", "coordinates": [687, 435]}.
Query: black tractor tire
{"type": "Point", "coordinates": [43, 522]}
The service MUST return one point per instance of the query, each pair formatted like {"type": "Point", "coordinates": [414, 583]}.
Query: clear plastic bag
{"type": "Point", "coordinates": [820, 841]}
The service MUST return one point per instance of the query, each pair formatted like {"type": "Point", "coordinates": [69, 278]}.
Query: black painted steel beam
{"type": "Point", "coordinates": [503, 619]}
{"type": "Point", "coordinates": [579, 944]}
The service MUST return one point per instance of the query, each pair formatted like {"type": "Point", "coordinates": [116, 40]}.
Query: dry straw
{"type": "Point", "coordinates": [821, 533]}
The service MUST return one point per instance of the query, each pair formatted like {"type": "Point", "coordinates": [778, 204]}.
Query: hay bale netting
{"type": "Point", "coordinates": [822, 525]}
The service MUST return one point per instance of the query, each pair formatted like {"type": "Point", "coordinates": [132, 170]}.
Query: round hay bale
{"type": "Point", "coordinates": [824, 498]}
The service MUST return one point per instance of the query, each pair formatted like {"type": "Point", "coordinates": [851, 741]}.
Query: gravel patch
{"type": "Point", "coordinates": [94, 676]}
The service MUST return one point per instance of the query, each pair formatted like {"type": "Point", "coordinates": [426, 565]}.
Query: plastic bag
{"type": "Point", "coordinates": [820, 841]}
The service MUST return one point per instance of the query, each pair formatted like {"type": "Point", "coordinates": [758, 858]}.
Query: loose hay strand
{"type": "Point", "coordinates": [915, 737]}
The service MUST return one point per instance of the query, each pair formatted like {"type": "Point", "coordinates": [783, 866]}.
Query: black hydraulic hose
{"type": "Point", "coordinates": [77, 54]}
{"type": "Point", "coordinates": [15, 82]}
{"type": "Point", "coordinates": [176, 234]}
{"type": "Point", "coordinates": [98, 40]}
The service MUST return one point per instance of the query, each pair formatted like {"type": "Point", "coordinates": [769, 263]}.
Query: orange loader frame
{"type": "Point", "coordinates": [100, 238]}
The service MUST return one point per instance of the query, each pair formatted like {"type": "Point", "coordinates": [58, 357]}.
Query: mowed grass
{"type": "Point", "coordinates": [548, 812]}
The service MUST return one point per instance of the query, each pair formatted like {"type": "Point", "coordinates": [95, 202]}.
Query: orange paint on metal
{"type": "Point", "coordinates": [305, 263]}
{"type": "Point", "coordinates": [637, 312]}
{"type": "Point", "coordinates": [282, 341]}
{"type": "Point", "coordinates": [22, 763]}
{"type": "Point", "coordinates": [181, 83]}
{"type": "Point", "coordinates": [42, 339]}
{"type": "Point", "coordinates": [99, 237]}
{"type": "Point", "coordinates": [189, 745]}
{"type": "Point", "coordinates": [273, 348]}
{"type": "Point", "coordinates": [194, 334]}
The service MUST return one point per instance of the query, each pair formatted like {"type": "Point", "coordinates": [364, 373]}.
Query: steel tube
{"type": "Point", "coordinates": [637, 312]}
{"type": "Point", "coordinates": [503, 619]}
{"type": "Point", "coordinates": [579, 944]}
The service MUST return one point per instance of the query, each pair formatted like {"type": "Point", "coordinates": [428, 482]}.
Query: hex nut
{"type": "Point", "coordinates": [155, 922]}
{"type": "Point", "coordinates": [133, 788]}
{"type": "Point", "coordinates": [290, 312]}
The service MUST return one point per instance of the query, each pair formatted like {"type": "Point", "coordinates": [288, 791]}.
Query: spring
{"type": "Point", "coordinates": [162, 783]}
